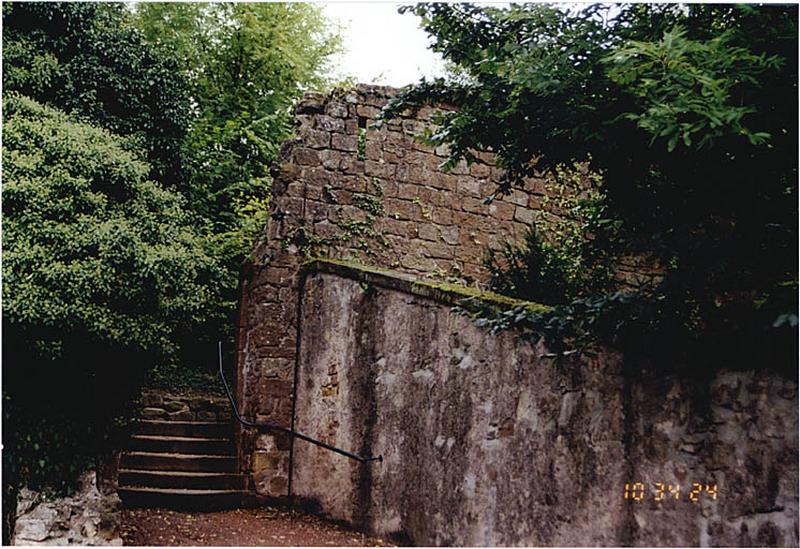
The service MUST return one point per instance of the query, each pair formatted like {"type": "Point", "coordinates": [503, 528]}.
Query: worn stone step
{"type": "Point", "coordinates": [200, 429]}
{"type": "Point", "coordinates": [181, 445]}
{"type": "Point", "coordinates": [158, 461]}
{"type": "Point", "coordinates": [175, 498]}
{"type": "Point", "coordinates": [181, 479]}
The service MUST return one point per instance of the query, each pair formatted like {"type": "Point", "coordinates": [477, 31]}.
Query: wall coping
{"type": "Point", "coordinates": [442, 292]}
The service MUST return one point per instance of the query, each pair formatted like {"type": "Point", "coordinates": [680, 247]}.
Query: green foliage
{"type": "Point", "coordinates": [175, 377]}
{"type": "Point", "coordinates": [89, 244]}
{"type": "Point", "coordinates": [89, 60]}
{"type": "Point", "coordinates": [247, 64]}
{"type": "Point", "coordinates": [356, 227]}
{"type": "Point", "coordinates": [107, 270]}
{"type": "Point", "coordinates": [103, 271]}
{"type": "Point", "coordinates": [566, 256]}
{"type": "Point", "coordinates": [684, 88]}
{"type": "Point", "coordinates": [688, 112]}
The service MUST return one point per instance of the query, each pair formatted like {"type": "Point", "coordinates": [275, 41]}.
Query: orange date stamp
{"type": "Point", "coordinates": [661, 491]}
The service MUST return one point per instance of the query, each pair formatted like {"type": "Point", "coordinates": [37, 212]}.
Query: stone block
{"type": "Point", "coordinates": [351, 127]}
{"type": "Point", "coordinates": [450, 235]}
{"type": "Point", "coordinates": [351, 165]}
{"type": "Point", "coordinates": [469, 186]}
{"type": "Point", "coordinates": [444, 181]}
{"type": "Point", "coordinates": [328, 124]}
{"type": "Point", "coordinates": [175, 405]}
{"type": "Point", "coordinates": [344, 142]}
{"type": "Point", "coordinates": [524, 215]}
{"type": "Point", "coordinates": [428, 232]}
{"type": "Point", "coordinates": [481, 171]}
{"type": "Point", "coordinates": [316, 139]}
{"type": "Point", "coordinates": [373, 150]}
{"type": "Point", "coordinates": [183, 415]}
{"type": "Point", "coordinates": [417, 263]}
{"type": "Point", "coordinates": [379, 169]}
{"type": "Point", "coordinates": [330, 160]}
{"type": "Point", "coordinates": [399, 209]}
{"type": "Point", "coordinates": [153, 413]}
{"type": "Point", "coordinates": [438, 250]}
{"type": "Point", "coordinates": [518, 198]}
{"type": "Point", "coordinates": [501, 210]}
{"type": "Point", "coordinates": [336, 109]}
{"type": "Point", "coordinates": [151, 400]}
{"type": "Point", "coordinates": [407, 191]}
{"type": "Point", "coordinates": [306, 157]}
{"type": "Point", "coordinates": [442, 216]}
{"type": "Point", "coordinates": [312, 103]}
{"type": "Point", "coordinates": [432, 197]}
{"type": "Point", "coordinates": [367, 111]}
{"type": "Point", "coordinates": [474, 206]}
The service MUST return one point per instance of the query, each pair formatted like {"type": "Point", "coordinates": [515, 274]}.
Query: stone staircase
{"type": "Point", "coordinates": [185, 463]}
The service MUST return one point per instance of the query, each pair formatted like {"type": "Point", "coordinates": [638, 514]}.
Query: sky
{"type": "Point", "coordinates": [382, 46]}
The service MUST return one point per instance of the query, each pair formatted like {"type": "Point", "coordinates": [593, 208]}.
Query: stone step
{"type": "Point", "coordinates": [181, 479]}
{"type": "Point", "coordinates": [158, 461]}
{"type": "Point", "coordinates": [180, 445]}
{"type": "Point", "coordinates": [200, 429]}
{"type": "Point", "coordinates": [175, 498]}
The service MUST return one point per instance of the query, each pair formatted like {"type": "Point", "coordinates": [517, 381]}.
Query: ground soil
{"type": "Point", "coordinates": [265, 526]}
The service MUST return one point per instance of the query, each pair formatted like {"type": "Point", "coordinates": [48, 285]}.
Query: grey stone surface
{"type": "Point", "coordinates": [86, 517]}
{"type": "Point", "coordinates": [486, 442]}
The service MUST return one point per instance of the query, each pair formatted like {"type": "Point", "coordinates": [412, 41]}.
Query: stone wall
{"type": "Point", "coordinates": [345, 190]}
{"type": "Point", "coordinates": [86, 517]}
{"type": "Point", "coordinates": [487, 442]}
{"type": "Point", "coordinates": [183, 406]}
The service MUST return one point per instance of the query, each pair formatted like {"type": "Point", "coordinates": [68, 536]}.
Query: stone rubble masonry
{"type": "Point", "coordinates": [176, 406]}
{"type": "Point", "coordinates": [86, 517]}
{"type": "Point", "coordinates": [345, 190]}
{"type": "Point", "coordinates": [487, 442]}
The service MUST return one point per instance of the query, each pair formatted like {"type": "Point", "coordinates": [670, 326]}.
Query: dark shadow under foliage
{"type": "Point", "coordinates": [62, 416]}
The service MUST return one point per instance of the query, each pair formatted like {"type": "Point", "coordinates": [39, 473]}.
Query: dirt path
{"type": "Point", "coordinates": [265, 526]}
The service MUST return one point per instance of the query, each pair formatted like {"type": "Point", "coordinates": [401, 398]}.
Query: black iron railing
{"type": "Point", "coordinates": [272, 427]}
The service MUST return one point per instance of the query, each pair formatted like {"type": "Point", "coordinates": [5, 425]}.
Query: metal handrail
{"type": "Point", "coordinates": [273, 427]}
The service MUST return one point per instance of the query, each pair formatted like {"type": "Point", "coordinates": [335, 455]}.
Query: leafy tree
{"type": "Point", "coordinates": [690, 115]}
{"type": "Point", "coordinates": [103, 270]}
{"type": "Point", "coordinates": [247, 64]}
{"type": "Point", "coordinates": [89, 60]}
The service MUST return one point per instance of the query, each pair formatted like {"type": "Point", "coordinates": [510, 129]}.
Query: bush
{"type": "Point", "coordinates": [102, 271]}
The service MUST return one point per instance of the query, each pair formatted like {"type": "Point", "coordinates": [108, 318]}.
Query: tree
{"type": "Point", "coordinates": [103, 270]}
{"type": "Point", "coordinates": [690, 115]}
{"type": "Point", "coordinates": [89, 60]}
{"type": "Point", "coordinates": [247, 64]}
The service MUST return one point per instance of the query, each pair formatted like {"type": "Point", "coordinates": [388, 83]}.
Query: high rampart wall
{"type": "Point", "coordinates": [345, 190]}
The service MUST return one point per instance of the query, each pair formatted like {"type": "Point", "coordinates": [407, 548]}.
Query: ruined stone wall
{"type": "Point", "coordinates": [485, 441]}
{"type": "Point", "coordinates": [345, 190]}
{"type": "Point", "coordinates": [183, 405]}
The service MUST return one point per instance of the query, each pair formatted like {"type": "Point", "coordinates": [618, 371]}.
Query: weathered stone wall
{"type": "Point", "coordinates": [87, 517]}
{"type": "Point", "coordinates": [183, 406]}
{"type": "Point", "coordinates": [344, 190]}
{"type": "Point", "coordinates": [486, 442]}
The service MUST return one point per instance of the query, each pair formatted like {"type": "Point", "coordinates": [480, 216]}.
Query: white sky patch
{"type": "Point", "coordinates": [382, 46]}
